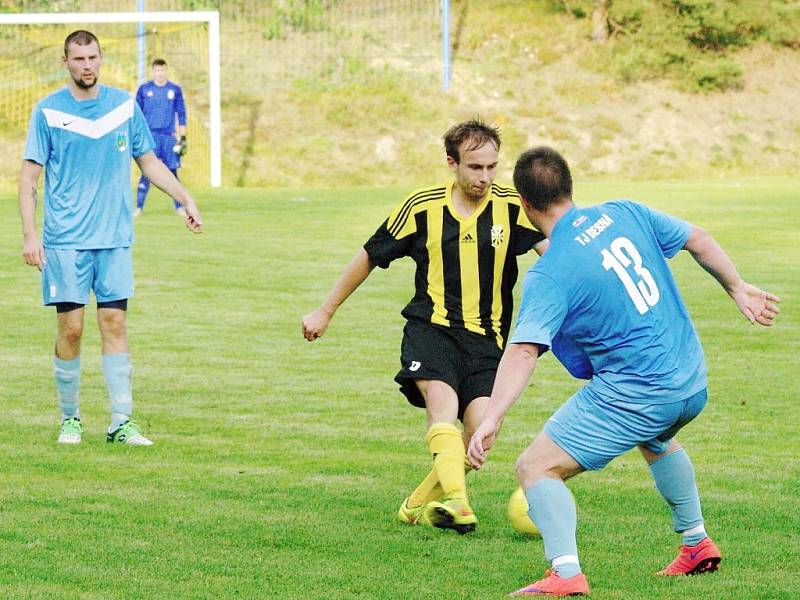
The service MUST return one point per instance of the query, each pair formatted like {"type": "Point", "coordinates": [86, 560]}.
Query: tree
{"type": "Point", "coordinates": [600, 21]}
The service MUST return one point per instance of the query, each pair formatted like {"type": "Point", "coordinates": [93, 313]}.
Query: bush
{"type": "Point", "coordinates": [690, 41]}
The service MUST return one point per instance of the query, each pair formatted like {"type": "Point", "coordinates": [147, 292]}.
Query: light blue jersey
{"type": "Point", "coordinates": [86, 148]}
{"type": "Point", "coordinates": [604, 283]}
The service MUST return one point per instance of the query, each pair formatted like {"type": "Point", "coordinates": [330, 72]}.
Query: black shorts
{"type": "Point", "coordinates": [464, 360]}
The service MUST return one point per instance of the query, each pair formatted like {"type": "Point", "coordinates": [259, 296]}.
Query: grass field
{"type": "Point", "coordinates": [279, 465]}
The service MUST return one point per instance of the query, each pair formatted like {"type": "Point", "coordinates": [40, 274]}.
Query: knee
{"type": "Point", "coordinates": [532, 467]}
{"type": "Point", "coordinates": [528, 470]}
{"type": "Point", "coordinates": [112, 323]}
{"type": "Point", "coordinates": [71, 333]}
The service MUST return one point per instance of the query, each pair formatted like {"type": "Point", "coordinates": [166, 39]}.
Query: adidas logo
{"type": "Point", "coordinates": [468, 239]}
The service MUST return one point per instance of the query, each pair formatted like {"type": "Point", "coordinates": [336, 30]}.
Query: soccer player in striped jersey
{"type": "Point", "coordinates": [465, 237]}
{"type": "Point", "coordinates": [162, 103]}
{"type": "Point", "coordinates": [84, 136]}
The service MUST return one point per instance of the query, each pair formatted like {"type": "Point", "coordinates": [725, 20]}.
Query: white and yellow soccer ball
{"type": "Point", "coordinates": [518, 513]}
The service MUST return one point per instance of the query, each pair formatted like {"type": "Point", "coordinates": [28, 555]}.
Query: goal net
{"type": "Point", "coordinates": [31, 48]}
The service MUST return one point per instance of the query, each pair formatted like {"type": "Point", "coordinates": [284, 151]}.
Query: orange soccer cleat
{"type": "Point", "coordinates": [694, 560]}
{"type": "Point", "coordinates": [554, 585]}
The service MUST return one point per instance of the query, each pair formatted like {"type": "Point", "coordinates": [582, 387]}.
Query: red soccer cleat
{"type": "Point", "coordinates": [694, 560]}
{"type": "Point", "coordinates": [553, 585]}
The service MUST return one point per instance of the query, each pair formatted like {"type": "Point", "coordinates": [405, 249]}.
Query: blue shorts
{"type": "Point", "coordinates": [164, 150]}
{"type": "Point", "coordinates": [68, 275]}
{"type": "Point", "coordinates": [594, 429]}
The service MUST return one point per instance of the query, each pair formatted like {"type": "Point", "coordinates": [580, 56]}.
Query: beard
{"type": "Point", "coordinates": [83, 85]}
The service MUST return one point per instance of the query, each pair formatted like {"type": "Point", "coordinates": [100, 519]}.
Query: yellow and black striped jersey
{"type": "Point", "coordinates": [466, 266]}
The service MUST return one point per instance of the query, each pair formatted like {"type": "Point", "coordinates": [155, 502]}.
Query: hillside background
{"type": "Point", "coordinates": [346, 93]}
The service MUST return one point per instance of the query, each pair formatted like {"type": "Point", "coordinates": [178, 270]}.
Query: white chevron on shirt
{"type": "Point", "coordinates": [94, 129]}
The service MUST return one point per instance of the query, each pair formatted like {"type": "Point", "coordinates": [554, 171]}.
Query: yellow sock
{"type": "Point", "coordinates": [447, 447]}
{"type": "Point", "coordinates": [426, 491]}
{"type": "Point", "coordinates": [430, 489]}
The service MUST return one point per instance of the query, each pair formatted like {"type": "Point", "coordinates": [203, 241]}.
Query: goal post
{"type": "Point", "coordinates": [210, 18]}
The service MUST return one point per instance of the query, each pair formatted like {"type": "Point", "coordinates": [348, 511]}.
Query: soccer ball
{"type": "Point", "coordinates": [518, 513]}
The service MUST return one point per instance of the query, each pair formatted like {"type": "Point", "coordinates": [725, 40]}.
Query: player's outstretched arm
{"type": "Point", "coordinates": [513, 373]}
{"type": "Point", "coordinates": [157, 172]}
{"type": "Point", "coordinates": [32, 250]}
{"type": "Point", "coordinates": [316, 322]}
{"type": "Point", "coordinates": [755, 304]}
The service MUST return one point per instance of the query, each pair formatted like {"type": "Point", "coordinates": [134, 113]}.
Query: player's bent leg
{"type": "Point", "coordinates": [447, 447]}
{"type": "Point", "coordinates": [674, 477]}
{"type": "Point", "coordinates": [542, 468]}
{"type": "Point", "coordinates": [545, 459]}
{"type": "Point", "coordinates": [430, 489]}
{"type": "Point", "coordinates": [473, 414]}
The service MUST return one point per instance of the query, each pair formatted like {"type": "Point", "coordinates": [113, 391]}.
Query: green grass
{"type": "Point", "coordinates": [279, 464]}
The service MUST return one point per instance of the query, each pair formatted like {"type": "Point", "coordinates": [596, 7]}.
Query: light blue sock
{"type": "Point", "coordinates": [117, 371]}
{"type": "Point", "coordinates": [674, 477]}
{"type": "Point", "coordinates": [552, 508]}
{"type": "Point", "coordinates": [68, 383]}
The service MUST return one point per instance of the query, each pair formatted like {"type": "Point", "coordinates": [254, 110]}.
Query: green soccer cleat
{"type": "Point", "coordinates": [413, 516]}
{"type": "Point", "coordinates": [128, 433]}
{"type": "Point", "coordinates": [71, 430]}
{"type": "Point", "coordinates": [451, 513]}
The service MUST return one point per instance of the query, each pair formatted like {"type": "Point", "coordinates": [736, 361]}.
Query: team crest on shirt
{"type": "Point", "coordinates": [122, 141]}
{"type": "Point", "coordinates": [171, 95]}
{"type": "Point", "coordinates": [498, 235]}
{"type": "Point", "coordinates": [149, 93]}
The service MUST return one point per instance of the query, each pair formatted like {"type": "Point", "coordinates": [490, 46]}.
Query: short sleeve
{"type": "Point", "coordinates": [525, 235]}
{"type": "Point", "coordinates": [142, 139]}
{"type": "Point", "coordinates": [382, 248]}
{"type": "Point", "coordinates": [672, 233]}
{"type": "Point", "coordinates": [37, 146]}
{"type": "Point", "coordinates": [542, 311]}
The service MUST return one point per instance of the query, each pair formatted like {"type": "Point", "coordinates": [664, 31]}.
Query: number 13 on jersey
{"type": "Point", "coordinates": [623, 254]}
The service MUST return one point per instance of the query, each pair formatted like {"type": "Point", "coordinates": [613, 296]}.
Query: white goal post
{"type": "Point", "coordinates": [210, 17]}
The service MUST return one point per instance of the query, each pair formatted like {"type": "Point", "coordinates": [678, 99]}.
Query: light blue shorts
{"type": "Point", "coordinates": [594, 429]}
{"type": "Point", "coordinates": [69, 275]}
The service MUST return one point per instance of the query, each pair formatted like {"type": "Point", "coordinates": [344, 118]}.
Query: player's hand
{"type": "Point", "coordinates": [315, 323]}
{"type": "Point", "coordinates": [33, 253]}
{"type": "Point", "coordinates": [482, 441]}
{"type": "Point", "coordinates": [192, 218]}
{"type": "Point", "coordinates": [755, 304]}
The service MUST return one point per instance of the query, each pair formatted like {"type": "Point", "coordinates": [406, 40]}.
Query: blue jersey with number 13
{"type": "Point", "coordinates": [604, 283]}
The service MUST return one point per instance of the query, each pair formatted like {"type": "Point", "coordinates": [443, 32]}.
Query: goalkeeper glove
{"type": "Point", "coordinates": [180, 148]}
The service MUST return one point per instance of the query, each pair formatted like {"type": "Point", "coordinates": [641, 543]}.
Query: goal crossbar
{"type": "Point", "coordinates": [210, 17]}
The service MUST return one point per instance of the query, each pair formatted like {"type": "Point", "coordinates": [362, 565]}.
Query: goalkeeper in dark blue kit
{"type": "Point", "coordinates": [161, 102]}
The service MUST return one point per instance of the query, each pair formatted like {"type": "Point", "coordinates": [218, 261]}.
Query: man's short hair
{"type": "Point", "coordinates": [542, 177]}
{"type": "Point", "coordinates": [82, 38]}
{"type": "Point", "coordinates": [475, 130]}
{"type": "Point", "coordinates": [159, 62]}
